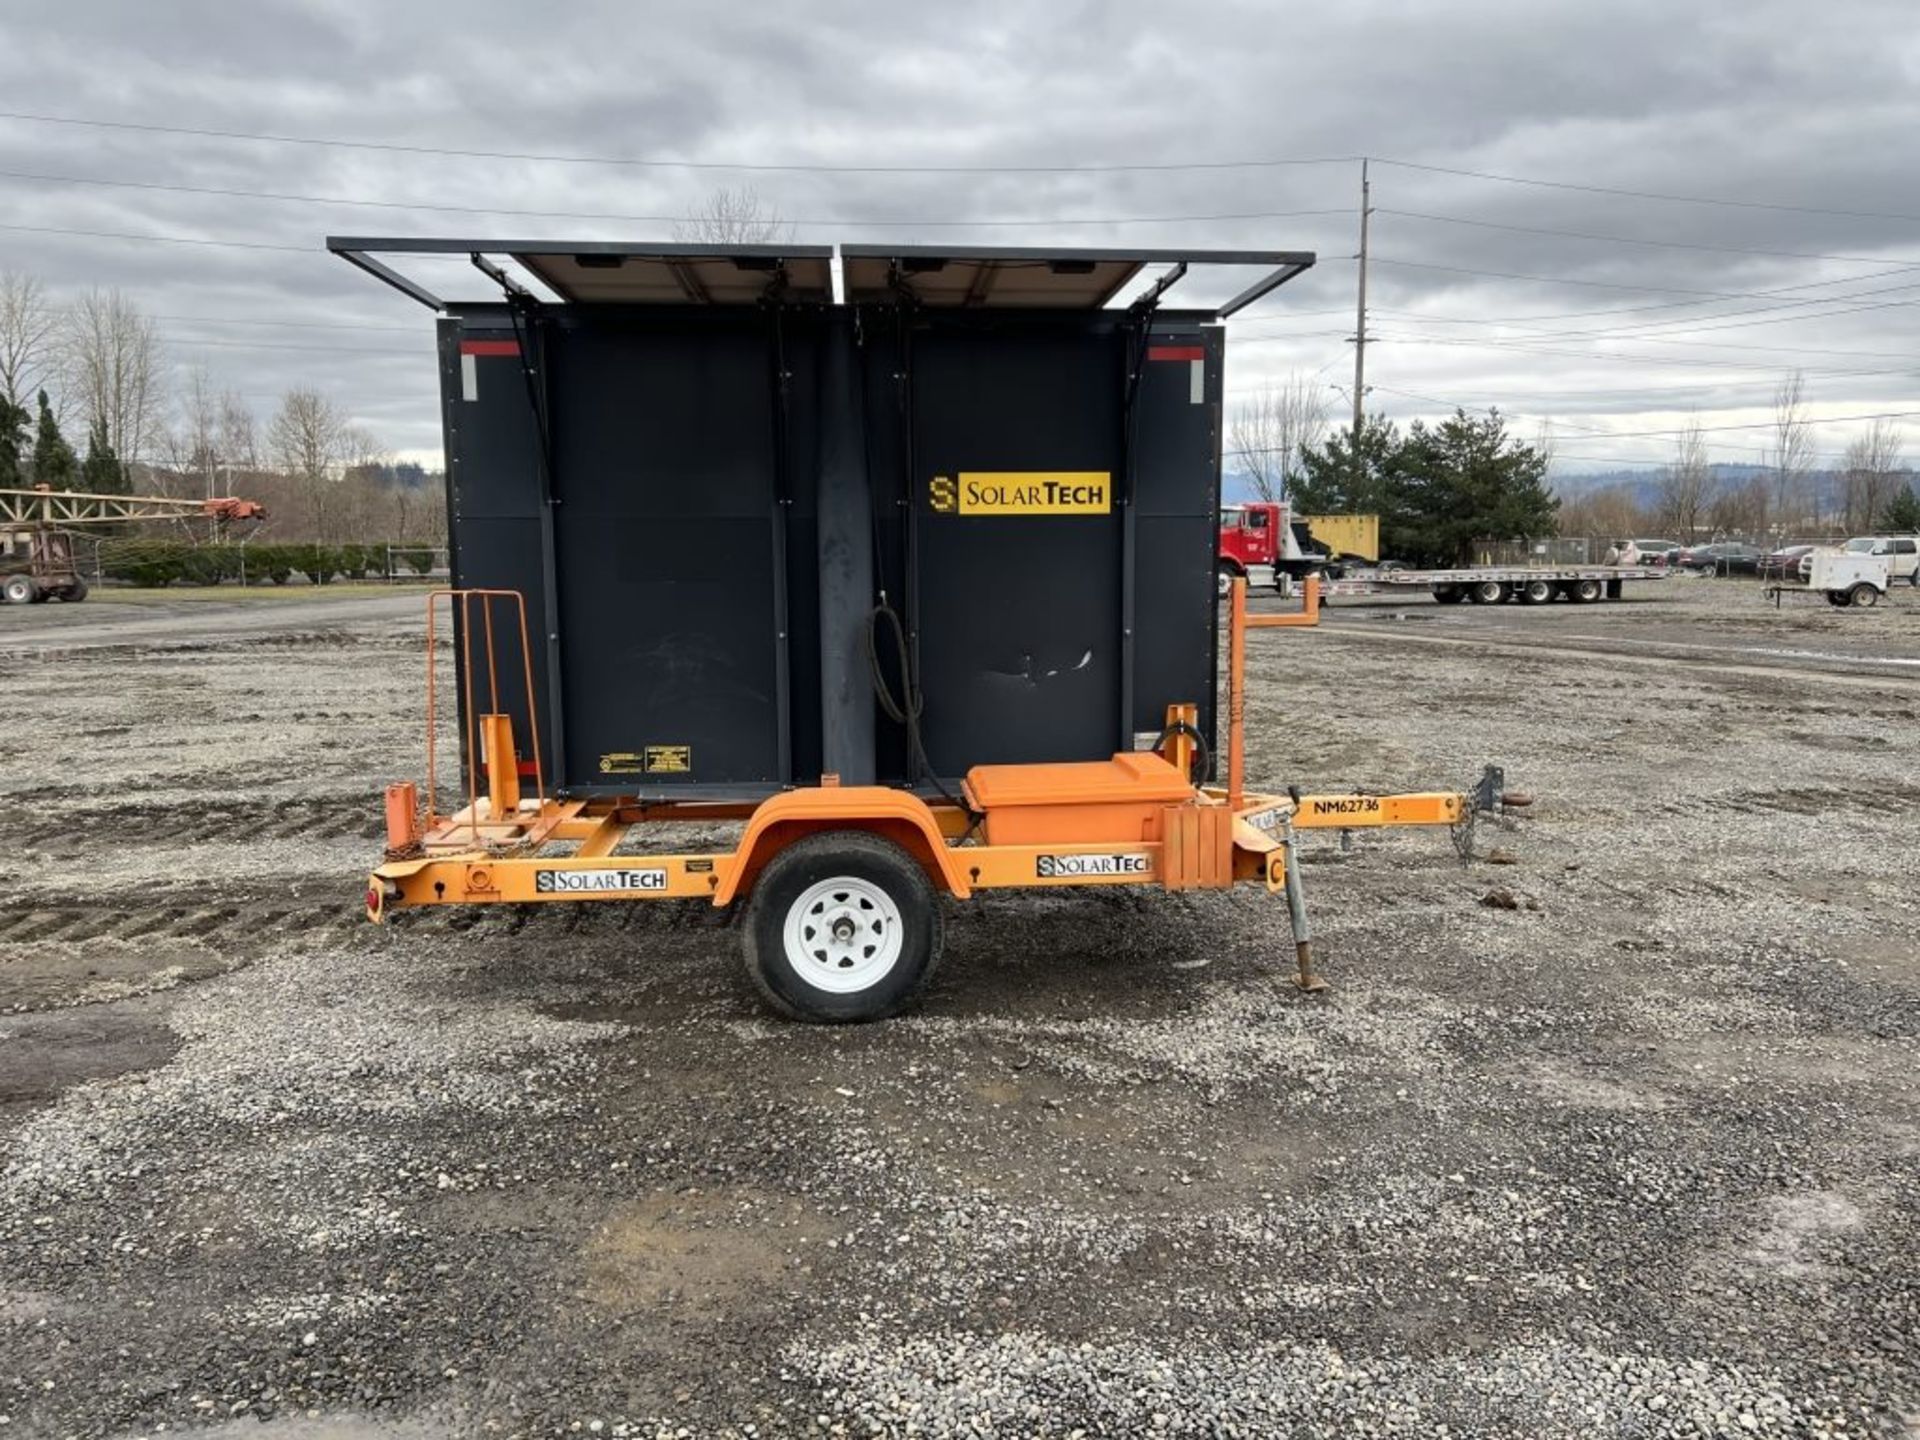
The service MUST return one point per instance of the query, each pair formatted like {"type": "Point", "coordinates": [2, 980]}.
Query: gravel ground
{"type": "Point", "coordinates": [1635, 1156]}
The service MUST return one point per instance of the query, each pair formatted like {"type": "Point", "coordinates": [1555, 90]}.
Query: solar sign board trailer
{"type": "Point", "coordinates": [703, 469]}
{"type": "Point", "coordinates": [750, 508]}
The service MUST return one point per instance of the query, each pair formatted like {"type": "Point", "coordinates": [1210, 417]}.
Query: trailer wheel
{"type": "Point", "coordinates": [843, 926]}
{"type": "Point", "coordinates": [1487, 592]}
{"type": "Point", "coordinates": [1587, 591]}
{"type": "Point", "coordinates": [1449, 594]}
{"type": "Point", "coordinates": [1536, 592]}
{"type": "Point", "coordinates": [20, 590]}
{"type": "Point", "coordinates": [1864, 596]}
{"type": "Point", "coordinates": [75, 593]}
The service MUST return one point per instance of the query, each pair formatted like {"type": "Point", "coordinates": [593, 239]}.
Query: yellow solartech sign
{"type": "Point", "coordinates": [1023, 492]}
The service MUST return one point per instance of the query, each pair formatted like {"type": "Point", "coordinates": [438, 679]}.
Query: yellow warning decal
{"type": "Point", "coordinates": [669, 759]}
{"type": "Point", "coordinates": [649, 760]}
{"type": "Point", "coordinates": [1023, 492]}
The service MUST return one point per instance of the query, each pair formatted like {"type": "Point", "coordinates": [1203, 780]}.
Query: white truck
{"type": "Point", "coordinates": [1850, 577]}
{"type": "Point", "coordinates": [1901, 551]}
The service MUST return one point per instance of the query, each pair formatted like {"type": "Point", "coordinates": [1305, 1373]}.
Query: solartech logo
{"type": "Point", "coordinates": [596, 882]}
{"type": "Point", "coordinates": [1022, 492]}
{"type": "Point", "coordinates": [1073, 867]}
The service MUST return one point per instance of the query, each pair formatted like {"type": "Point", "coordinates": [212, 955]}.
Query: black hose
{"type": "Point", "coordinates": [906, 707]}
{"type": "Point", "coordinates": [1202, 764]}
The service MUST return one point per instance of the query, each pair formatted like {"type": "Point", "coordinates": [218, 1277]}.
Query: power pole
{"type": "Point", "coordinates": [1360, 323]}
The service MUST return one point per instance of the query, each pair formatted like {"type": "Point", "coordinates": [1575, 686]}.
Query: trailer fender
{"type": "Point", "coordinates": [895, 815]}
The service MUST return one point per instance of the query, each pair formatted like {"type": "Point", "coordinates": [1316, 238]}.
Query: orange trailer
{"type": "Point", "coordinates": [840, 882]}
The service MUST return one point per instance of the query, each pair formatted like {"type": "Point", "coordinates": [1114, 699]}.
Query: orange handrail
{"type": "Point", "coordinates": [464, 599]}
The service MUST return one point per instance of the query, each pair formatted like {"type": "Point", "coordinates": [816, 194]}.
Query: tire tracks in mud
{"type": "Point", "coordinates": [1718, 661]}
{"type": "Point", "coordinates": [340, 817]}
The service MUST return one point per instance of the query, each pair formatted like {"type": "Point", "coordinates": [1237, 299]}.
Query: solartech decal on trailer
{"type": "Point", "coordinates": [1023, 492]}
{"type": "Point", "coordinates": [598, 882]}
{"type": "Point", "coordinates": [1063, 867]}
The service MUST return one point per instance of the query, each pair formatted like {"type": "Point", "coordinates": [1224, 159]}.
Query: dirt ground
{"type": "Point", "coordinates": [1636, 1156]}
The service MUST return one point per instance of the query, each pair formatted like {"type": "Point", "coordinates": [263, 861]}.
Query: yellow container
{"type": "Point", "coordinates": [1347, 534]}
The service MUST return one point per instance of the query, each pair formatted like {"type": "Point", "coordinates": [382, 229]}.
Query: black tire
{"type": "Point", "coordinates": [1488, 592]}
{"type": "Point", "coordinates": [1587, 591]}
{"type": "Point", "coordinates": [1863, 596]}
{"type": "Point", "coordinates": [1226, 573]}
{"type": "Point", "coordinates": [1449, 594]}
{"type": "Point", "coordinates": [75, 593]}
{"type": "Point", "coordinates": [1536, 592]}
{"type": "Point", "coordinates": [798, 884]}
{"type": "Point", "coordinates": [19, 590]}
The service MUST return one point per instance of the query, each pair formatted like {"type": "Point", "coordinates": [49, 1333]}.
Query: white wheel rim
{"type": "Point", "coordinates": [844, 935]}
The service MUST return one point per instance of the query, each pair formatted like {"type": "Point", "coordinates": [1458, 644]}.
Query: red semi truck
{"type": "Point", "coordinates": [1261, 532]}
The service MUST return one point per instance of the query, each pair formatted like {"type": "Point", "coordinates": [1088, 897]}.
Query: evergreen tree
{"type": "Point", "coordinates": [1436, 491]}
{"type": "Point", "coordinates": [54, 462]}
{"type": "Point", "coordinates": [1901, 517]}
{"type": "Point", "coordinates": [1330, 482]}
{"type": "Point", "coordinates": [13, 439]}
{"type": "Point", "coordinates": [1468, 480]}
{"type": "Point", "coordinates": [102, 473]}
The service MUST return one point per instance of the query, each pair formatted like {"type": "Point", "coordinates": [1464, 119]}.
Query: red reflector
{"type": "Point", "coordinates": [526, 769]}
{"type": "Point", "coordinates": [1176, 352]}
{"type": "Point", "coordinates": [489, 347]}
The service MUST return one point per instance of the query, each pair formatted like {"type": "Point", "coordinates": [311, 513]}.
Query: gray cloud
{"type": "Point", "coordinates": [1765, 102]}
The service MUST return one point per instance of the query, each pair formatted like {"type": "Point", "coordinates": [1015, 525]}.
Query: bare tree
{"type": "Point", "coordinates": [1686, 484]}
{"type": "Point", "coordinates": [1742, 509]}
{"type": "Point", "coordinates": [1791, 459]}
{"type": "Point", "coordinates": [1610, 512]}
{"type": "Point", "coordinates": [116, 370]}
{"type": "Point", "coordinates": [29, 338]}
{"type": "Point", "coordinates": [195, 447]}
{"type": "Point", "coordinates": [308, 440]}
{"type": "Point", "coordinates": [1871, 475]}
{"type": "Point", "coordinates": [239, 441]}
{"type": "Point", "coordinates": [733, 217]}
{"type": "Point", "coordinates": [1274, 429]}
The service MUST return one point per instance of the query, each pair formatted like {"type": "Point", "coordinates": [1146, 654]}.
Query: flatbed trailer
{"type": "Point", "coordinates": [1496, 584]}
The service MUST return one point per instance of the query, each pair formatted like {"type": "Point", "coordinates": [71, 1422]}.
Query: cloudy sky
{"type": "Point", "coordinates": [1552, 293]}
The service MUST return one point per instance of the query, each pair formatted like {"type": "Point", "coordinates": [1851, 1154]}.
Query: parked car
{"type": "Point", "coordinates": [1656, 552]}
{"type": "Point", "coordinates": [1726, 557]}
{"type": "Point", "coordinates": [1902, 552]}
{"type": "Point", "coordinates": [1788, 562]}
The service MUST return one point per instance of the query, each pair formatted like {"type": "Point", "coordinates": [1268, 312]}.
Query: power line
{"type": "Point", "coordinates": [1569, 280]}
{"type": "Point", "coordinates": [1404, 316]}
{"type": "Point", "coordinates": [831, 222]}
{"type": "Point", "coordinates": [655, 163]}
{"type": "Point", "coordinates": [1631, 240]}
{"type": "Point", "coordinates": [1692, 304]}
{"type": "Point", "coordinates": [1652, 194]}
{"type": "Point", "coordinates": [160, 239]}
{"type": "Point", "coordinates": [291, 324]}
{"type": "Point", "coordinates": [1519, 347]}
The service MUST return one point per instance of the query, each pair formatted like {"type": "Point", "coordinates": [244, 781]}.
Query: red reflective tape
{"type": "Point", "coordinates": [489, 347]}
{"type": "Point", "coordinates": [1176, 352]}
{"type": "Point", "coordinates": [526, 769]}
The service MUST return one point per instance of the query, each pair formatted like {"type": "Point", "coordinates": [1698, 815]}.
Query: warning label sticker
{"type": "Point", "coordinates": [649, 760]}
{"type": "Point", "coordinates": [1022, 492]}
